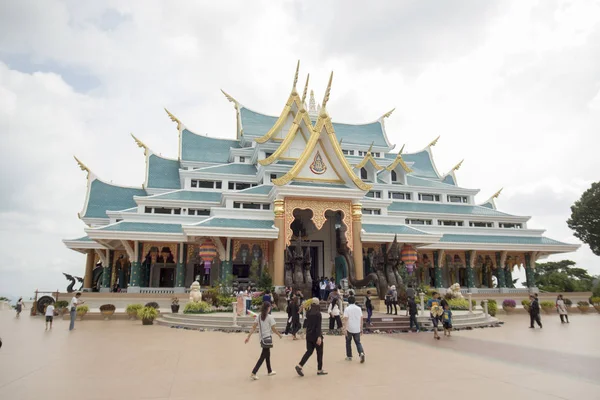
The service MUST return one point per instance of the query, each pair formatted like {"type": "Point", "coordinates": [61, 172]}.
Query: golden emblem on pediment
{"type": "Point", "coordinates": [318, 166]}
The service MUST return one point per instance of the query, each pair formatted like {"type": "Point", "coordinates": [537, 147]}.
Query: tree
{"type": "Point", "coordinates": [561, 276]}
{"type": "Point", "coordinates": [585, 218]}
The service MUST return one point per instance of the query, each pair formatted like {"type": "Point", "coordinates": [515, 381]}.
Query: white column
{"type": "Point", "coordinates": [470, 304]}
{"type": "Point", "coordinates": [422, 295]}
{"type": "Point", "coordinates": [485, 309]}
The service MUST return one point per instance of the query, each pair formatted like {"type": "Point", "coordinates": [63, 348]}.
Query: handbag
{"type": "Point", "coordinates": [265, 342]}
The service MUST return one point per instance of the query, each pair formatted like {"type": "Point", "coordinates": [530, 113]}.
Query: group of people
{"type": "Point", "coordinates": [326, 286]}
{"type": "Point", "coordinates": [265, 324]}
{"type": "Point", "coordinates": [535, 311]}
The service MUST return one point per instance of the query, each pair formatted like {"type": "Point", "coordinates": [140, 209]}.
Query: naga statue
{"type": "Point", "coordinates": [387, 268]}
{"type": "Point", "coordinates": [297, 268]}
{"type": "Point", "coordinates": [80, 280]}
{"type": "Point", "coordinates": [72, 279]}
{"type": "Point", "coordinates": [345, 252]}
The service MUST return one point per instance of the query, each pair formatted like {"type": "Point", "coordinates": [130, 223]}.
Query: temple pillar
{"type": "Point", "coordinates": [356, 241]}
{"type": "Point", "coordinates": [529, 265]}
{"type": "Point", "coordinates": [89, 270]}
{"type": "Point", "coordinates": [508, 276]}
{"type": "Point", "coordinates": [469, 259]}
{"type": "Point", "coordinates": [135, 275]}
{"type": "Point", "coordinates": [227, 264]}
{"type": "Point", "coordinates": [500, 261]}
{"type": "Point", "coordinates": [180, 269]}
{"type": "Point", "coordinates": [279, 247]}
{"type": "Point", "coordinates": [106, 272]}
{"type": "Point", "coordinates": [437, 267]}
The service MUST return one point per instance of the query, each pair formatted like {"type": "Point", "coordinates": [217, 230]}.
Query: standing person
{"type": "Point", "coordinates": [248, 298]}
{"type": "Point", "coordinates": [334, 312]}
{"type": "Point", "coordinates": [74, 303]}
{"type": "Point", "coordinates": [447, 320]}
{"type": "Point", "coordinates": [369, 307]}
{"type": "Point", "coordinates": [266, 326]}
{"type": "Point", "coordinates": [295, 316]}
{"type": "Point", "coordinates": [326, 289]}
{"type": "Point", "coordinates": [322, 289]}
{"type": "Point", "coordinates": [353, 328]}
{"type": "Point", "coordinates": [534, 312]}
{"type": "Point", "coordinates": [388, 301]}
{"type": "Point", "coordinates": [436, 311]}
{"type": "Point", "coordinates": [412, 312]}
{"type": "Point", "coordinates": [562, 309]}
{"type": "Point", "coordinates": [20, 306]}
{"type": "Point", "coordinates": [49, 315]}
{"type": "Point", "coordinates": [314, 338]}
{"type": "Point", "coordinates": [332, 287]}
{"type": "Point", "coordinates": [394, 300]}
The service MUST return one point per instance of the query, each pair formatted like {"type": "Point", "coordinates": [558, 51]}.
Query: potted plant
{"type": "Point", "coordinates": [548, 306]}
{"type": "Point", "coordinates": [568, 303]}
{"type": "Point", "coordinates": [492, 307]}
{"type": "Point", "coordinates": [174, 305]}
{"type": "Point", "coordinates": [596, 303]}
{"type": "Point", "coordinates": [152, 304]}
{"type": "Point", "coordinates": [61, 306]}
{"type": "Point", "coordinates": [133, 309]}
{"type": "Point", "coordinates": [526, 303]}
{"type": "Point", "coordinates": [81, 311]}
{"type": "Point", "coordinates": [583, 306]}
{"type": "Point", "coordinates": [147, 315]}
{"type": "Point", "coordinates": [198, 307]}
{"type": "Point", "coordinates": [509, 305]}
{"type": "Point", "coordinates": [107, 310]}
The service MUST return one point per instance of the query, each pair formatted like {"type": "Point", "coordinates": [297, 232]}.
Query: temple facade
{"type": "Point", "coordinates": [298, 186]}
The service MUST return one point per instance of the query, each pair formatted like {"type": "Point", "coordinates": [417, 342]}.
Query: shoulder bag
{"type": "Point", "coordinates": [265, 342]}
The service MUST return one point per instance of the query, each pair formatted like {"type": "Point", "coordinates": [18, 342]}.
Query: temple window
{"type": "Point", "coordinates": [374, 194]}
{"type": "Point", "coordinates": [364, 174]}
{"type": "Point", "coordinates": [394, 176]}
{"type": "Point", "coordinates": [252, 206]}
{"type": "Point", "coordinates": [266, 206]}
{"type": "Point", "coordinates": [237, 205]}
{"type": "Point", "coordinates": [450, 223]}
{"type": "Point", "coordinates": [429, 197]}
{"type": "Point", "coordinates": [177, 211]}
{"type": "Point", "coordinates": [377, 155]}
{"type": "Point", "coordinates": [242, 159]}
{"type": "Point", "coordinates": [418, 221]}
{"type": "Point", "coordinates": [267, 155]}
{"type": "Point", "coordinates": [371, 211]}
{"type": "Point", "coordinates": [148, 210]}
{"type": "Point", "coordinates": [193, 211]}
{"type": "Point", "coordinates": [197, 183]}
{"type": "Point", "coordinates": [240, 185]}
{"type": "Point", "coordinates": [348, 152]}
{"type": "Point", "coordinates": [399, 195]}
{"type": "Point", "coordinates": [510, 225]}
{"type": "Point", "coordinates": [476, 224]}
{"type": "Point", "coordinates": [457, 199]}
{"type": "Point", "coordinates": [273, 176]}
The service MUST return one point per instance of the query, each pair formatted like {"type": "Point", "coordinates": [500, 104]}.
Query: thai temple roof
{"type": "Point", "coordinates": [163, 173]}
{"type": "Point", "coordinates": [143, 227]}
{"type": "Point", "coordinates": [392, 229]}
{"type": "Point", "coordinates": [105, 197]}
{"type": "Point", "coordinates": [205, 149]}
{"type": "Point", "coordinates": [421, 207]}
{"type": "Point", "coordinates": [233, 169]}
{"type": "Point", "coordinates": [422, 164]}
{"type": "Point", "coordinates": [532, 240]}
{"type": "Point", "coordinates": [189, 195]}
{"type": "Point", "coordinates": [237, 223]}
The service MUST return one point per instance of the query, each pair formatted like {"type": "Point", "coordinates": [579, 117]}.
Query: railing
{"type": "Point", "coordinates": [152, 290]}
{"type": "Point", "coordinates": [517, 290]}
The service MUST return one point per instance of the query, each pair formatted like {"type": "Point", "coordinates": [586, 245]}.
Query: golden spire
{"type": "Point", "coordinates": [457, 166]}
{"type": "Point", "coordinates": [371, 147]}
{"type": "Point", "coordinates": [401, 150]}
{"type": "Point", "coordinates": [140, 144]}
{"type": "Point", "coordinates": [230, 98]}
{"type": "Point", "coordinates": [296, 77]}
{"type": "Point", "coordinates": [495, 195]}
{"type": "Point", "coordinates": [174, 119]}
{"type": "Point", "coordinates": [326, 97]}
{"type": "Point", "coordinates": [305, 90]}
{"type": "Point", "coordinates": [82, 166]}
{"type": "Point", "coordinates": [387, 114]}
{"type": "Point", "coordinates": [434, 142]}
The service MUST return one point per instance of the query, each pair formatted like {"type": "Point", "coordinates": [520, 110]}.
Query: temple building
{"type": "Point", "coordinates": [298, 180]}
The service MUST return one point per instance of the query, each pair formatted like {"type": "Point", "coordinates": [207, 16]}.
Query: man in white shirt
{"type": "Point", "coordinates": [49, 315]}
{"type": "Point", "coordinates": [74, 303]}
{"type": "Point", "coordinates": [352, 329]}
{"type": "Point", "coordinates": [322, 288]}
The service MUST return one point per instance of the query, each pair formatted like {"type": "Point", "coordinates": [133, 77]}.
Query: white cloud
{"type": "Point", "coordinates": [512, 87]}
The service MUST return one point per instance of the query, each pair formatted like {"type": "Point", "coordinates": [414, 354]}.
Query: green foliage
{"type": "Point", "coordinates": [211, 295]}
{"type": "Point", "coordinates": [152, 304]}
{"type": "Point", "coordinates": [133, 308]}
{"type": "Point", "coordinates": [147, 313]}
{"type": "Point", "coordinates": [225, 301]}
{"type": "Point", "coordinates": [547, 304]}
{"type": "Point", "coordinates": [257, 301]}
{"type": "Point", "coordinates": [82, 309]}
{"type": "Point", "coordinates": [568, 302]}
{"type": "Point", "coordinates": [459, 304]}
{"type": "Point", "coordinates": [583, 304]}
{"type": "Point", "coordinates": [561, 276]}
{"type": "Point", "coordinates": [264, 282]}
{"type": "Point", "coordinates": [2, 298]}
{"type": "Point", "coordinates": [492, 307]}
{"type": "Point", "coordinates": [596, 291]}
{"type": "Point", "coordinates": [225, 286]}
{"type": "Point", "coordinates": [255, 271]}
{"type": "Point", "coordinates": [585, 214]}
{"type": "Point", "coordinates": [525, 303]}
{"type": "Point", "coordinates": [199, 307]}
{"type": "Point", "coordinates": [595, 301]}
{"type": "Point", "coordinates": [108, 307]}
{"type": "Point", "coordinates": [61, 304]}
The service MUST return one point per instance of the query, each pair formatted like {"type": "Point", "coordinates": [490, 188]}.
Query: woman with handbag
{"type": "Point", "coordinates": [266, 327]}
{"type": "Point", "coordinates": [314, 338]}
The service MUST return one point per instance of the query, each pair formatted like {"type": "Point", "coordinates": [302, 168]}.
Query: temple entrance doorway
{"type": "Point", "coordinates": [167, 277]}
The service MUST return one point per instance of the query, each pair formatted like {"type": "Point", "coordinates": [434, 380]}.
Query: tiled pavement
{"type": "Point", "coordinates": [125, 360]}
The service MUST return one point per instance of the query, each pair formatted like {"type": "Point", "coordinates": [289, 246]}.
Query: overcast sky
{"type": "Point", "coordinates": [513, 87]}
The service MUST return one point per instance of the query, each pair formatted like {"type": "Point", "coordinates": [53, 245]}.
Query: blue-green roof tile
{"type": "Point", "coordinates": [235, 169]}
{"type": "Point", "coordinates": [423, 182]}
{"type": "Point", "coordinates": [260, 189]}
{"type": "Point", "coordinates": [143, 227]}
{"type": "Point", "coordinates": [190, 195]}
{"type": "Point", "coordinates": [237, 223]}
{"type": "Point", "coordinates": [205, 149]}
{"type": "Point", "coordinates": [106, 197]}
{"type": "Point", "coordinates": [441, 208]}
{"type": "Point", "coordinates": [449, 180]}
{"type": "Point", "coordinates": [393, 229]}
{"type": "Point", "coordinates": [422, 164]}
{"type": "Point", "coordinates": [163, 173]}
{"type": "Point", "coordinates": [492, 239]}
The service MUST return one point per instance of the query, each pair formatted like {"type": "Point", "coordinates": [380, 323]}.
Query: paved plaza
{"type": "Point", "coordinates": [125, 360]}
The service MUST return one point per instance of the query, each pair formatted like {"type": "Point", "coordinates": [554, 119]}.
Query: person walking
{"type": "Point", "coordinates": [322, 289]}
{"type": "Point", "coordinates": [369, 307]}
{"type": "Point", "coordinates": [75, 302]}
{"type": "Point", "coordinates": [314, 338]}
{"type": "Point", "coordinates": [49, 315]}
{"type": "Point", "coordinates": [20, 306]}
{"type": "Point", "coordinates": [447, 320]}
{"type": "Point", "coordinates": [295, 316]}
{"type": "Point", "coordinates": [534, 312]}
{"type": "Point", "coordinates": [248, 298]}
{"type": "Point", "coordinates": [353, 328]}
{"type": "Point", "coordinates": [561, 307]}
{"type": "Point", "coordinates": [388, 300]}
{"type": "Point", "coordinates": [394, 299]}
{"type": "Point", "coordinates": [334, 312]}
{"type": "Point", "coordinates": [412, 312]}
{"type": "Point", "coordinates": [435, 312]}
{"type": "Point", "coordinates": [266, 327]}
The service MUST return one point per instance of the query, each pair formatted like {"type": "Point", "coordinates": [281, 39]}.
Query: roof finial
{"type": "Point", "coordinates": [387, 114]}
{"type": "Point", "coordinates": [402, 149]}
{"type": "Point", "coordinates": [457, 166]}
{"type": "Point", "coordinates": [312, 105]}
{"type": "Point", "coordinates": [296, 77]}
{"type": "Point", "coordinates": [495, 195]}
{"type": "Point", "coordinates": [371, 147]}
{"type": "Point", "coordinates": [230, 98]}
{"type": "Point", "coordinates": [174, 119]}
{"type": "Point", "coordinates": [341, 140]}
{"type": "Point", "coordinates": [434, 142]}
{"type": "Point", "coordinates": [140, 144]}
{"type": "Point", "coordinates": [326, 97]}
{"type": "Point", "coordinates": [82, 165]}
{"type": "Point", "coordinates": [305, 90]}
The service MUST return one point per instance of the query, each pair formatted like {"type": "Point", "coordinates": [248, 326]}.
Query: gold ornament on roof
{"type": "Point", "coordinates": [326, 96]}
{"type": "Point", "coordinates": [387, 114]}
{"type": "Point", "coordinates": [318, 166]}
{"type": "Point", "coordinates": [402, 149]}
{"type": "Point", "coordinates": [434, 142]}
{"type": "Point", "coordinates": [140, 143]}
{"type": "Point", "coordinates": [230, 98]}
{"type": "Point", "coordinates": [174, 119]}
{"type": "Point", "coordinates": [495, 195]}
{"type": "Point", "coordinates": [82, 165]}
{"type": "Point", "coordinates": [296, 76]}
{"type": "Point", "coordinates": [305, 90]}
{"type": "Point", "coordinates": [457, 166]}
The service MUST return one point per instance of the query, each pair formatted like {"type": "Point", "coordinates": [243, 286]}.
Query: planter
{"type": "Point", "coordinates": [132, 315]}
{"type": "Point", "coordinates": [526, 308]}
{"type": "Point", "coordinates": [508, 310]}
{"type": "Point", "coordinates": [147, 322]}
{"type": "Point", "coordinates": [174, 308]}
{"type": "Point", "coordinates": [597, 307]}
{"type": "Point", "coordinates": [107, 314]}
{"type": "Point", "coordinates": [583, 309]}
{"type": "Point", "coordinates": [549, 310]}
{"type": "Point", "coordinates": [80, 316]}
{"type": "Point", "coordinates": [62, 311]}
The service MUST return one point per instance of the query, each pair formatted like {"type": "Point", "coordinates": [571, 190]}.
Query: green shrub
{"type": "Point", "coordinates": [147, 313]}
{"type": "Point", "coordinates": [61, 304]}
{"type": "Point", "coordinates": [152, 304]}
{"type": "Point", "coordinates": [200, 307]}
{"type": "Point", "coordinates": [224, 301]}
{"type": "Point", "coordinates": [569, 303]}
{"type": "Point", "coordinates": [211, 296]}
{"type": "Point", "coordinates": [82, 309]}
{"type": "Point", "coordinates": [108, 307]}
{"type": "Point", "coordinates": [583, 304]}
{"type": "Point", "coordinates": [257, 301]}
{"type": "Point", "coordinates": [459, 304]}
{"type": "Point", "coordinates": [547, 304]}
{"type": "Point", "coordinates": [492, 307]}
{"type": "Point", "coordinates": [595, 301]}
{"type": "Point", "coordinates": [525, 303]}
{"type": "Point", "coordinates": [133, 308]}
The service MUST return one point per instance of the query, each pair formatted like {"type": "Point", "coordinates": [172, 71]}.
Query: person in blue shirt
{"type": "Point", "coordinates": [447, 320]}
{"type": "Point", "coordinates": [268, 298]}
{"type": "Point", "coordinates": [435, 312]}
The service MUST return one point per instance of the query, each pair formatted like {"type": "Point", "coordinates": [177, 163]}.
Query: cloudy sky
{"type": "Point", "coordinates": [513, 87]}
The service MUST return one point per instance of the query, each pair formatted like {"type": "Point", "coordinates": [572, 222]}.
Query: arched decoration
{"type": "Point", "coordinates": [159, 252]}
{"type": "Point", "coordinates": [259, 249]}
{"type": "Point", "coordinates": [318, 208]}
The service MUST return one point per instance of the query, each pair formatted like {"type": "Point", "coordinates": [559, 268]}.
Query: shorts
{"type": "Point", "coordinates": [435, 321]}
{"type": "Point", "coordinates": [447, 325]}
{"type": "Point", "coordinates": [49, 318]}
